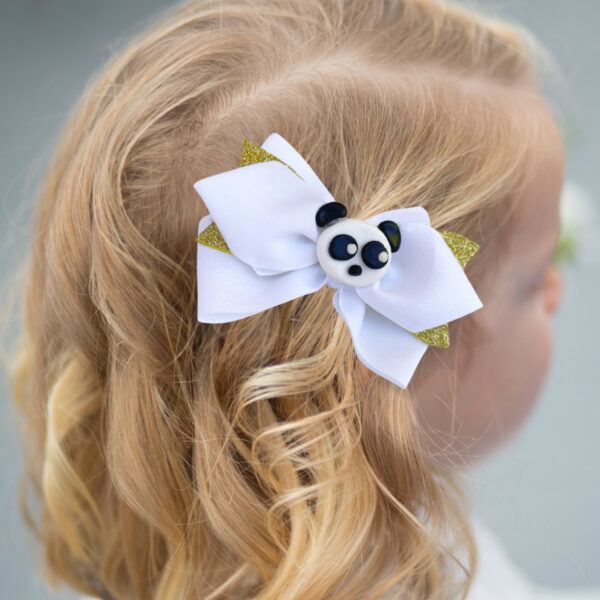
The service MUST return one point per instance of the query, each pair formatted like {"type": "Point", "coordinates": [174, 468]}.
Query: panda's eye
{"type": "Point", "coordinates": [375, 255]}
{"type": "Point", "coordinates": [343, 247]}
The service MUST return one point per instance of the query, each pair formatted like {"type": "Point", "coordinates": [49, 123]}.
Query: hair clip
{"type": "Point", "coordinates": [275, 233]}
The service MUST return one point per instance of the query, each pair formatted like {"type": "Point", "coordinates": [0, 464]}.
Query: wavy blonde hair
{"type": "Point", "coordinates": [174, 459]}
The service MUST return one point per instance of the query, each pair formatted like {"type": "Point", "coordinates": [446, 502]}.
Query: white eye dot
{"type": "Point", "coordinates": [383, 256]}
{"type": "Point", "coordinates": [351, 248]}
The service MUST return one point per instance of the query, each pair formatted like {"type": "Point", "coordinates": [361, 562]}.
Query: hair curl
{"type": "Point", "coordinates": [175, 459]}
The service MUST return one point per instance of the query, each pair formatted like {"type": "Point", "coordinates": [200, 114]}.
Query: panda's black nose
{"type": "Point", "coordinates": [355, 270]}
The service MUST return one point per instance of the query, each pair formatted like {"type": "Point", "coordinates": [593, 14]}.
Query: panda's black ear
{"type": "Point", "coordinates": [330, 212]}
{"type": "Point", "coordinates": [392, 233]}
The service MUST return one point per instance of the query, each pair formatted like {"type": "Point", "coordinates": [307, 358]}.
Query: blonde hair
{"type": "Point", "coordinates": [177, 459]}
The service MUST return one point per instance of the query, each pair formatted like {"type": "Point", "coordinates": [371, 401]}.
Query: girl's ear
{"type": "Point", "coordinates": [392, 233]}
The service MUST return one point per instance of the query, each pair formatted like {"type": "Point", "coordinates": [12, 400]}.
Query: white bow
{"type": "Point", "coordinates": [258, 248]}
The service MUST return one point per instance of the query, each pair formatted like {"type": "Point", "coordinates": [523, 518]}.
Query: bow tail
{"type": "Point", "coordinates": [384, 347]}
{"type": "Point", "coordinates": [229, 289]}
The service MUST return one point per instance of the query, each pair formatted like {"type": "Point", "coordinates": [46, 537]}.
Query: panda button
{"type": "Point", "coordinates": [352, 251]}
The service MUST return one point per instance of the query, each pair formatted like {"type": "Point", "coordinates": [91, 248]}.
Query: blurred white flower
{"type": "Point", "coordinates": [580, 226]}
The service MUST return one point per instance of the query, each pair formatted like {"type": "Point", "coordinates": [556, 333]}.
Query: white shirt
{"type": "Point", "coordinates": [498, 578]}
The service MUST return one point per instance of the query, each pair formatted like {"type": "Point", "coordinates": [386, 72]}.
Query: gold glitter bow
{"type": "Point", "coordinates": [462, 247]}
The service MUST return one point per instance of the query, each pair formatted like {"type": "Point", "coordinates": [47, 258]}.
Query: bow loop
{"type": "Point", "coordinates": [380, 344]}
{"type": "Point", "coordinates": [229, 289]}
{"type": "Point", "coordinates": [265, 213]}
{"type": "Point", "coordinates": [425, 285]}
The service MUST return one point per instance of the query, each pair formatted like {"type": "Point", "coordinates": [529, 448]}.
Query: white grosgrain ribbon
{"type": "Point", "coordinates": [264, 216]}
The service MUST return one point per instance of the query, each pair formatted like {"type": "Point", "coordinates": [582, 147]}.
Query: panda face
{"type": "Point", "coordinates": [354, 252]}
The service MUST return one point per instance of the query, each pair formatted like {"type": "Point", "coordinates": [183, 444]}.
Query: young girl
{"type": "Point", "coordinates": [274, 453]}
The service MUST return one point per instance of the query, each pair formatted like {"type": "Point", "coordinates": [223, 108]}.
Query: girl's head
{"type": "Point", "coordinates": [258, 458]}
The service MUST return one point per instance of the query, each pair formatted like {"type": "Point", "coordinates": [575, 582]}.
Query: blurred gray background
{"type": "Point", "coordinates": [541, 493]}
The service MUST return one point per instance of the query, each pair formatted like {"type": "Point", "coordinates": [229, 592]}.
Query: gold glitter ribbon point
{"type": "Point", "coordinates": [211, 237]}
{"type": "Point", "coordinates": [463, 248]}
{"type": "Point", "coordinates": [253, 154]}
{"type": "Point", "coordinates": [438, 336]}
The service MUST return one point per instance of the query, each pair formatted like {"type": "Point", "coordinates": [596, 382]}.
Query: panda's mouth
{"type": "Point", "coordinates": [355, 270]}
